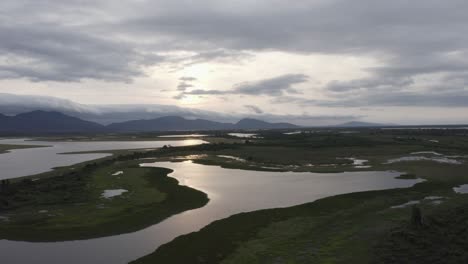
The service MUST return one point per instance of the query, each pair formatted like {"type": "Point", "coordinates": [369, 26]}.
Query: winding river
{"type": "Point", "coordinates": [23, 162]}
{"type": "Point", "coordinates": [230, 191]}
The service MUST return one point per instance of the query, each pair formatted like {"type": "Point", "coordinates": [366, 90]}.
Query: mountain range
{"type": "Point", "coordinates": [362, 124]}
{"type": "Point", "coordinates": [13, 104]}
{"type": "Point", "coordinates": [52, 122]}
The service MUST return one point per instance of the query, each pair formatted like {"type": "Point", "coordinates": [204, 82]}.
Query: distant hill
{"type": "Point", "coordinates": [360, 124]}
{"type": "Point", "coordinates": [45, 122]}
{"type": "Point", "coordinates": [249, 123]}
{"type": "Point", "coordinates": [177, 123]}
{"type": "Point", "coordinates": [167, 123]}
{"type": "Point", "coordinates": [51, 122]}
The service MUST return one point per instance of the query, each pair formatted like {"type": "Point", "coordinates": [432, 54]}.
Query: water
{"type": "Point", "coordinates": [243, 135]}
{"type": "Point", "coordinates": [22, 162]}
{"type": "Point", "coordinates": [230, 191]}
{"type": "Point", "coordinates": [183, 136]}
{"type": "Point", "coordinates": [461, 189]}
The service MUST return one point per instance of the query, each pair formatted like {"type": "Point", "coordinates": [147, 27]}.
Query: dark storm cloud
{"type": "Point", "coordinates": [276, 86]}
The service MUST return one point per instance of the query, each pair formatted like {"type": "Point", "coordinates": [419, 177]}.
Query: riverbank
{"type": "Point", "coordinates": [73, 205]}
{"type": "Point", "coordinates": [341, 229]}
{"type": "Point", "coordinates": [4, 148]}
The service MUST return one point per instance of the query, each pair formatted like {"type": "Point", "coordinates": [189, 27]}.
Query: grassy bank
{"type": "Point", "coordinates": [72, 207]}
{"type": "Point", "coordinates": [6, 147]}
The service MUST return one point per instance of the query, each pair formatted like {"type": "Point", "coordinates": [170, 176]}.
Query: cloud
{"type": "Point", "coordinates": [187, 79]}
{"type": "Point", "coordinates": [11, 104]}
{"type": "Point", "coordinates": [419, 46]}
{"type": "Point", "coordinates": [450, 99]}
{"type": "Point", "coordinates": [254, 109]}
{"type": "Point", "coordinates": [183, 86]}
{"type": "Point", "coordinates": [64, 53]}
{"type": "Point", "coordinates": [185, 83]}
{"type": "Point", "coordinates": [275, 86]}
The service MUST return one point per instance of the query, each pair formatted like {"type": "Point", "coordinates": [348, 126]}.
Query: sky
{"type": "Point", "coordinates": [313, 62]}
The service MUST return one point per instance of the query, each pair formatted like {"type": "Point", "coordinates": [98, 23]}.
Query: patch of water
{"type": "Point", "coordinates": [422, 158]}
{"type": "Point", "coordinates": [359, 163]}
{"type": "Point", "coordinates": [232, 157]}
{"type": "Point", "coordinates": [435, 200]}
{"type": "Point", "coordinates": [461, 189]}
{"type": "Point", "coordinates": [293, 133]}
{"type": "Point", "coordinates": [427, 152]}
{"type": "Point", "coordinates": [112, 193]}
{"type": "Point", "coordinates": [433, 197]}
{"type": "Point", "coordinates": [406, 204]}
{"type": "Point", "coordinates": [43, 159]}
{"type": "Point", "coordinates": [183, 136]}
{"type": "Point", "coordinates": [243, 135]}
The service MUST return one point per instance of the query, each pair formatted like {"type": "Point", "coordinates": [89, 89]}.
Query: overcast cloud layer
{"type": "Point", "coordinates": [366, 58]}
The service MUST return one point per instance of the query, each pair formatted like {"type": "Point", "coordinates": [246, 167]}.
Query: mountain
{"type": "Point", "coordinates": [250, 123]}
{"type": "Point", "coordinates": [177, 123]}
{"type": "Point", "coordinates": [50, 122]}
{"type": "Point", "coordinates": [13, 104]}
{"type": "Point", "coordinates": [360, 124]}
{"type": "Point", "coordinates": [46, 122]}
{"type": "Point", "coordinates": [167, 123]}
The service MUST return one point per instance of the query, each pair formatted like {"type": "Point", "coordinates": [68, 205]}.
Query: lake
{"type": "Point", "coordinates": [230, 191]}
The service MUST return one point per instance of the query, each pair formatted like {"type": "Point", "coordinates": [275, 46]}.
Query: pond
{"type": "Point", "coordinates": [230, 191]}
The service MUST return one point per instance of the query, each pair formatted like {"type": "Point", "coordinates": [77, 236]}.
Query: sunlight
{"type": "Point", "coordinates": [201, 71]}
{"type": "Point", "coordinates": [191, 100]}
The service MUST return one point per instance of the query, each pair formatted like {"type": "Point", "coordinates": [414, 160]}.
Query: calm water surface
{"type": "Point", "coordinates": [231, 191]}
{"type": "Point", "coordinates": [23, 162]}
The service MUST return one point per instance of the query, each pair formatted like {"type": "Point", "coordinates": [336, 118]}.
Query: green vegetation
{"type": "Point", "coordinates": [440, 239]}
{"type": "Point", "coordinates": [366, 227]}
{"type": "Point", "coordinates": [407, 176]}
{"type": "Point", "coordinates": [330, 230]}
{"type": "Point", "coordinates": [6, 147]}
{"type": "Point", "coordinates": [71, 205]}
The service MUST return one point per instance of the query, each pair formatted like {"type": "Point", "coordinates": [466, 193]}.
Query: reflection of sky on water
{"type": "Point", "coordinates": [22, 162]}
